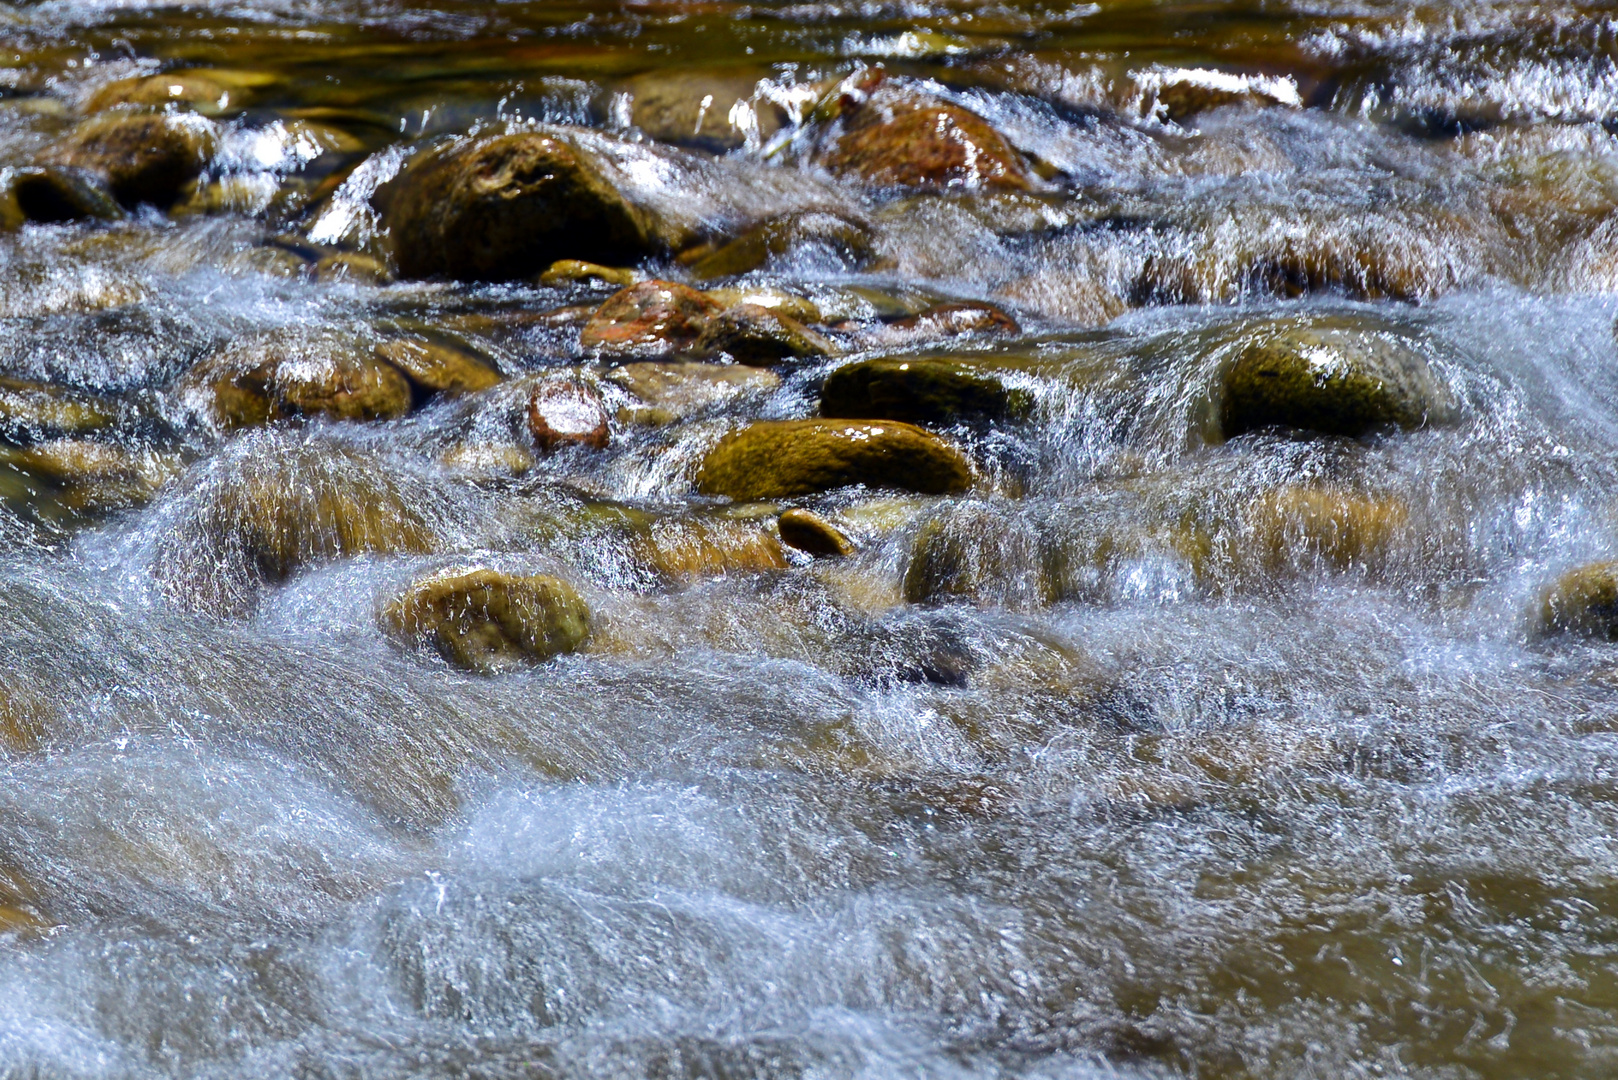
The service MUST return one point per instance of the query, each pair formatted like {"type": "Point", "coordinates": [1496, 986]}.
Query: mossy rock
{"type": "Point", "coordinates": [1333, 376]}
{"type": "Point", "coordinates": [758, 336]}
{"type": "Point", "coordinates": [1582, 601]}
{"type": "Point", "coordinates": [291, 373]}
{"type": "Point", "coordinates": [144, 157]}
{"type": "Point", "coordinates": [487, 620]}
{"type": "Point", "coordinates": [437, 366]}
{"type": "Point", "coordinates": [774, 459]}
{"type": "Point", "coordinates": [922, 390]}
{"type": "Point", "coordinates": [503, 207]}
{"type": "Point", "coordinates": [649, 320]}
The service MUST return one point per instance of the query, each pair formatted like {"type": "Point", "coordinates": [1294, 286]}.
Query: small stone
{"type": "Point", "coordinates": [675, 390]}
{"type": "Point", "coordinates": [487, 621]}
{"type": "Point", "coordinates": [1333, 376]}
{"type": "Point", "coordinates": [1583, 601]}
{"type": "Point", "coordinates": [440, 367]}
{"type": "Point", "coordinates": [814, 236]}
{"type": "Point", "coordinates": [809, 532]}
{"type": "Point", "coordinates": [955, 319]}
{"type": "Point", "coordinates": [51, 193]}
{"type": "Point", "coordinates": [568, 271]}
{"type": "Point", "coordinates": [288, 374]}
{"type": "Point", "coordinates": [774, 459]}
{"type": "Point", "coordinates": [649, 320]}
{"type": "Point", "coordinates": [921, 390]}
{"type": "Point", "coordinates": [750, 334]}
{"type": "Point", "coordinates": [145, 157]}
{"type": "Point", "coordinates": [778, 301]}
{"type": "Point", "coordinates": [567, 413]}
{"type": "Point", "coordinates": [503, 207]}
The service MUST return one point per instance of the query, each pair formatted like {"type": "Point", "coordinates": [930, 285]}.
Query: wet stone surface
{"type": "Point", "coordinates": [808, 540]}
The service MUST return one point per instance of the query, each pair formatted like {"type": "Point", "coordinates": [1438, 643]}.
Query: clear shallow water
{"type": "Point", "coordinates": [1169, 790]}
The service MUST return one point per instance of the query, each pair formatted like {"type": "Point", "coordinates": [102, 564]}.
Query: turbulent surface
{"type": "Point", "coordinates": [1155, 754]}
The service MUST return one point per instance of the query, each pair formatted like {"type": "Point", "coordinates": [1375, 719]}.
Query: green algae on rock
{"type": "Point", "coordinates": [1333, 376]}
{"type": "Point", "coordinates": [488, 621]}
{"type": "Point", "coordinates": [773, 459]}
{"type": "Point", "coordinates": [922, 390]}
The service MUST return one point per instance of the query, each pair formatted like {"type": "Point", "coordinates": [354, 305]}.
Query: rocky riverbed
{"type": "Point", "coordinates": [690, 538]}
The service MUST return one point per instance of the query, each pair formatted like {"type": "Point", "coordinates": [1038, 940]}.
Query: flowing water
{"type": "Point", "coordinates": [1198, 757]}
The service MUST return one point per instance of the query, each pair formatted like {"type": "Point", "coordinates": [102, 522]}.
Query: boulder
{"type": "Point", "coordinates": [784, 458]}
{"type": "Point", "coordinates": [713, 111]}
{"type": "Point", "coordinates": [813, 236]}
{"type": "Point", "coordinates": [296, 373]}
{"type": "Point", "coordinates": [921, 390]}
{"type": "Point", "coordinates": [897, 139]}
{"type": "Point", "coordinates": [31, 412]}
{"type": "Point", "coordinates": [440, 367]}
{"type": "Point", "coordinates": [1583, 601]}
{"type": "Point", "coordinates": [649, 320]}
{"type": "Point", "coordinates": [567, 413]}
{"type": "Point", "coordinates": [487, 620]}
{"type": "Point", "coordinates": [502, 207]}
{"type": "Point", "coordinates": [811, 533]}
{"type": "Point", "coordinates": [276, 503]}
{"type": "Point", "coordinates": [1330, 375]}
{"type": "Point", "coordinates": [144, 157]}
{"type": "Point", "coordinates": [51, 193]}
{"type": "Point", "coordinates": [759, 336]}
{"type": "Point", "coordinates": [670, 391]}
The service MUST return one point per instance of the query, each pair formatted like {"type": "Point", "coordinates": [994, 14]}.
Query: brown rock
{"type": "Point", "coordinates": [687, 549]}
{"type": "Point", "coordinates": [567, 413]}
{"type": "Point", "coordinates": [502, 207]}
{"type": "Point", "coordinates": [957, 318]}
{"type": "Point", "coordinates": [812, 533]}
{"type": "Point", "coordinates": [145, 157]}
{"type": "Point", "coordinates": [673, 390]}
{"type": "Point", "coordinates": [784, 458]}
{"type": "Point", "coordinates": [31, 411]}
{"type": "Point", "coordinates": [834, 236]}
{"type": "Point", "coordinates": [649, 320]}
{"type": "Point", "coordinates": [566, 271]}
{"type": "Point", "coordinates": [207, 91]}
{"type": "Point", "coordinates": [293, 373]}
{"type": "Point", "coordinates": [714, 111]}
{"type": "Point", "coordinates": [907, 142]}
{"type": "Point", "coordinates": [750, 334]}
{"type": "Point", "coordinates": [440, 367]}
{"type": "Point", "coordinates": [486, 621]}
{"type": "Point", "coordinates": [62, 193]}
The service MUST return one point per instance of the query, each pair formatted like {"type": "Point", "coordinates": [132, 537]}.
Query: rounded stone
{"type": "Point", "coordinates": [929, 146]}
{"type": "Point", "coordinates": [567, 413]}
{"type": "Point", "coordinates": [1583, 601]}
{"type": "Point", "coordinates": [487, 621]}
{"type": "Point", "coordinates": [784, 458]}
{"type": "Point", "coordinates": [649, 320]}
{"type": "Point", "coordinates": [920, 390]}
{"type": "Point", "coordinates": [756, 335]}
{"type": "Point", "coordinates": [289, 374]}
{"type": "Point", "coordinates": [440, 367]}
{"type": "Point", "coordinates": [811, 533]}
{"type": "Point", "coordinates": [145, 157]}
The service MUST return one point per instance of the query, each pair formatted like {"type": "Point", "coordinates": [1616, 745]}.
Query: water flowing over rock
{"type": "Point", "coordinates": [779, 459]}
{"type": "Point", "coordinates": [649, 320]}
{"type": "Point", "coordinates": [921, 390]}
{"type": "Point", "coordinates": [484, 620]}
{"type": "Point", "coordinates": [289, 374]}
{"type": "Point", "coordinates": [1583, 601]}
{"type": "Point", "coordinates": [809, 532]}
{"type": "Point", "coordinates": [144, 157]}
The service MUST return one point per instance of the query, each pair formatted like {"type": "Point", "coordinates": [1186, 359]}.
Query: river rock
{"type": "Point", "coordinates": [50, 193]}
{"type": "Point", "coordinates": [811, 533]}
{"type": "Point", "coordinates": [715, 111]}
{"type": "Point", "coordinates": [285, 374]}
{"type": "Point", "coordinates": [567, 413]}
{"type": "Point", "coordinates": [144, 157]}
{"type": "Point", "coordinates": [210, 92]}
{"type": "Point", "coordinates": [649, 320]}
{"type": "Point", "coordinates": [438, 366]}
{"type": "Point", "coordinates": [893, 138]}
{"type": "Point", "coordinates": [832, 238]}
{"type": "Point", "coordinates": [570, 271]}
{"type": "Point", "coordinates": [758, 336]}
{"type": "Point", "coordinates": [1295, 527]}
{"type": "Point", "coordinates": [1332, 376]}
{"type": "Point", "coordinates": [921, 390]}
{"type": "Point", "coordinates": [25, 713]}
{"type": "Point", "coordinates": [689, 548]}
{"type": "Point", "coordinates": [501, 207]}
{"type": "Point", "coordinates": [774, 459]}
{"type": "Point", "coordinates": [777, 300]}
{"type": "Point", "coordinates": [31, 411]}
{"type": "Point", "coordinates": [96, 476]}
{"type": "Point", "coordinates": [673, 390]}
{"type": "Point", "coordinates": [487, 620]}
{"type": "Point", "coordinates": [955, 319]}
{"type": "Point", "coordinates": [979, 552]}
{"type": "Point", "coordinates": [1583, 601]}
{"type": "Point", "coordinates": [278, 503]}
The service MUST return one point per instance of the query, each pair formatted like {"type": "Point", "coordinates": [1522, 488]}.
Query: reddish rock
{"type": "Point", "coordinates": [649, 320]}
{"type": "Point", "coordinates": [907, 141]}
{"type": "Point", "coordinates": [567, 413]}
{"type": "Point", "coordinates": [956, 318]}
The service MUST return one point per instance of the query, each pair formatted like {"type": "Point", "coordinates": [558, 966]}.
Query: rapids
{"type": "Point", "coordinates": [1173, 746]}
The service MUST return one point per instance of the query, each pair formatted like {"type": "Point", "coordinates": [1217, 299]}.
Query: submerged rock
{"type": "Point", "coordinates": [1299, 526]}
{"type": "Point", "coordinates": [811, 533]}
{"type": "Point", "coordinates": [96, 476]}
{"type": "Point", "coordinates": [144, 157]}
{"type": "Point", "coordinates": [285, 374]}
{"type": "Point", "coordinates": [979, 552]}
{"type": "Point", "coordinates": [705, 547]}
{"type": "Point", "coordinates": [894, 138]}
{"type": "Point", "coordinates": [751, 334]}
{"type": "Point", "coordinates": [783, 458]}
{"type": "Point", "coordinates": [954, 319]}
{"type": "Point", "coordinates": [277, 504]}
{"type": "Point", "coordinates": [31, 411]}
{"type": "Point", "coordinates": [1582, 601]}
{"type": "Point", "coordinates": [670, 391]}
{"type": "Point", "coordinates": [440, 367]}
{"type": "Point", "coordinates": [487, 620]}
{"type": "Point", "coordinates": [567, 271]}
{"type": "Point", "coordinates": [567, 413]}
{"type": "Point", "coordinates": [1333, 376]}
{"type": "Point", "coordinates": [502, 207]}
{"type": "Point", "coordinates": [921, 390]}
{"type": "Point", "coordinates": [210, 92]}
{"type": "Point", "coordinates": [814, 236]}
{"type": "Point", "coordinates": [714, 111]}
{"type": "Point", "coordinates": [649, 320]}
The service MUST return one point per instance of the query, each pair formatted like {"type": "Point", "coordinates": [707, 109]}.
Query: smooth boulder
{"type": "Point", "coordinates": [293, 373]}
{"type": "Point", "coordinates": [895, 138]}
{"type": "Point", "coordinates": [487, 620]}
{"type": "Point", "coordinates": [759, 336]}
{"type": "Point", "coordinates": [774, 459]}
{"type": "Point", "coordinates": [144, 157]}
{"type": "Point", "coordinates": [502, 207]}
{"type": "Point", "coordinates": [921, 390]}
{"type": "Point", "coordinates": [1332, 376]}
